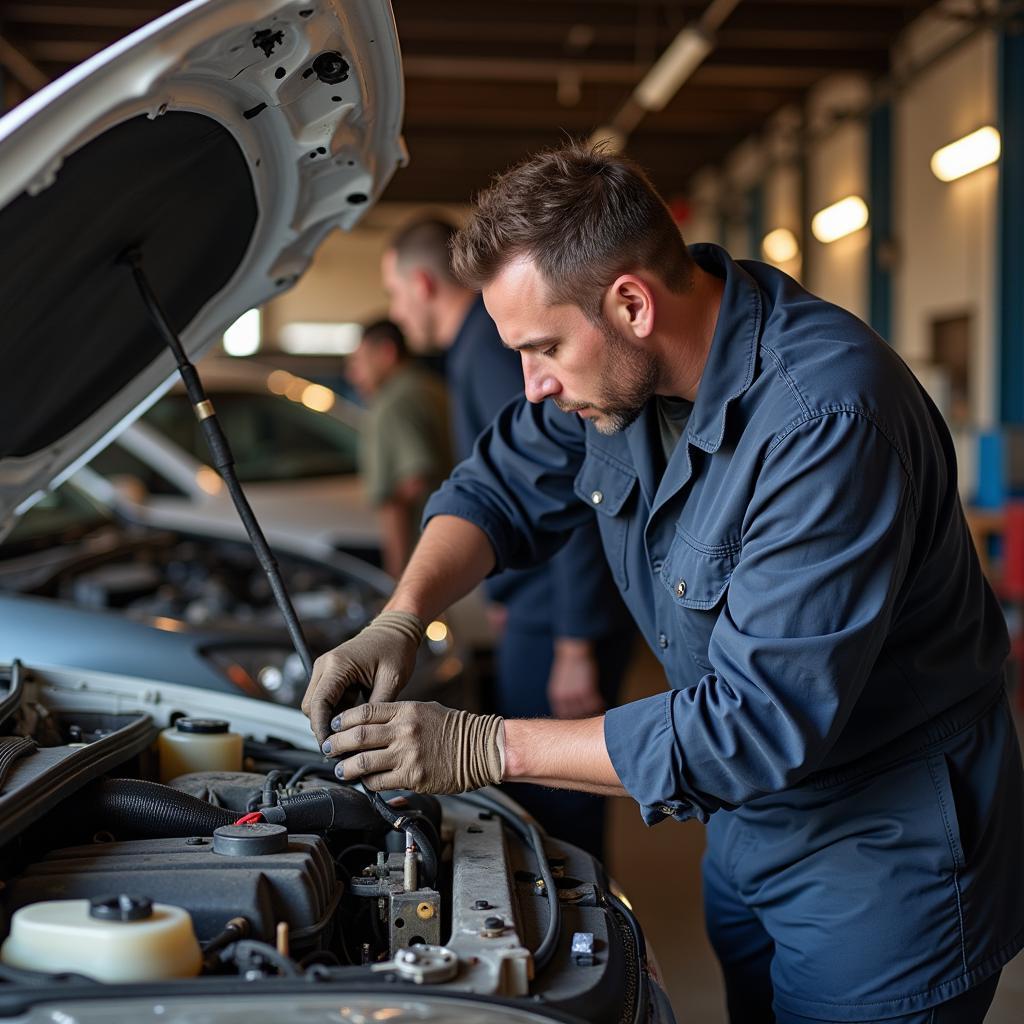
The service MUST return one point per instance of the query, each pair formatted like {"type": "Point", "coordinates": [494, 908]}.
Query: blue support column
{"type": "Point", "coordinates": [880, 205]}
{"type": "Point", "coordinates": [1010, 225]}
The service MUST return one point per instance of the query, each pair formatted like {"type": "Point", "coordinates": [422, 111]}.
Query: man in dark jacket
{"type": "Point", "coordinates": [777, 499]}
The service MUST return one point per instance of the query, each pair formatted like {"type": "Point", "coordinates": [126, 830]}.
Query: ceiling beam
{"type": "Point", "coordinates": [96, 16]}
{"type": "Point", "coordinates": [621, 73]}
{"type": "Point", "coordinates": [62, 51]}
{"type": "Point", "coordinates": [21, 67]}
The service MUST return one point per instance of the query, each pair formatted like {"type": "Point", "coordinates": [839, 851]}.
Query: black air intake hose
{"type": "Point", "coordinates": [324, 810]}
{"type": "Point", "coordinates": [148, 809]}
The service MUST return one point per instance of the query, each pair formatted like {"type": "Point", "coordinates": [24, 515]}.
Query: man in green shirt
{"type": "Point", "coordinates": [405, 451]}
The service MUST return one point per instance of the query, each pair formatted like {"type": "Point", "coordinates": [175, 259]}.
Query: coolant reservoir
{"type": "Point", "coordinates": [198, 745]}
{"type": "Point", "coordinates": [116, 938]}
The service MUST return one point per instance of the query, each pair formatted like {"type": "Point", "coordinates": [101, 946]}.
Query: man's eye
{"type": "Point", "coordinates": [549, 351]}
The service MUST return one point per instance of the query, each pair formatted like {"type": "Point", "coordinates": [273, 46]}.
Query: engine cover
{"type": "Point", "coordinates": [297, 885]}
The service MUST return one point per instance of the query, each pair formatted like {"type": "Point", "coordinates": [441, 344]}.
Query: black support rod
{"type": "Point", "coordinates": [220, 452]}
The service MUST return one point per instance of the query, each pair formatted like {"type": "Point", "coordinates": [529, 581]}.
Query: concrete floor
{"type": "Point", "coordinates": [659, 870]}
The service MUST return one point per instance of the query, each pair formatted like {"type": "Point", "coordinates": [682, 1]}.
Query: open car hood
{"type": "Point", "coordinates": [220, 143]}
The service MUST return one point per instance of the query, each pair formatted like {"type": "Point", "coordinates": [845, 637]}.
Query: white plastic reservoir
{"type": "Point", "coordinates": [198, 745]}
{"type": "Point", "coordinates": [65, 935]}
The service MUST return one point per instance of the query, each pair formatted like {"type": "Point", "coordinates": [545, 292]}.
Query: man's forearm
{"type": "Point", "coordinates": [451, 558]}
{"type": "Point", "coordinates": [567, 755]}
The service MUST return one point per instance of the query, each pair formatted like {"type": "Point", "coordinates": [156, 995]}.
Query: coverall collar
{"type": "Point", "coordinates": [728, 373]}
{"type": "Point", "coordinates": [731, 363]}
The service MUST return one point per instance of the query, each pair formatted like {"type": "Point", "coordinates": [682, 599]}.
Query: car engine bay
{"type": "Point", "coordinates": [278, 874]}
{"type": "Point", "coordinates": [147, 573]}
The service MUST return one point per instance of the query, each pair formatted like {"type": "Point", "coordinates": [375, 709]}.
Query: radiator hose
{"type": "Point", "coordinates": [150, 810]}
{"type": "Point", "coordinates": [136, 807]}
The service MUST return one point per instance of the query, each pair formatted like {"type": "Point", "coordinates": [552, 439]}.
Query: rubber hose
{"type": "Point", "coordinates": [414, 824]}
{"type": "Point", "coordinates": [324, 810]}
{"type": "Point", "coordinates": [149, 810]}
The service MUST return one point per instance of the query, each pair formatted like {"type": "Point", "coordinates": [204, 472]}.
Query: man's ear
{"type": "Point", "coordinates": [629, 303]}
{"type": "Point", "coordinates": [424, 284]}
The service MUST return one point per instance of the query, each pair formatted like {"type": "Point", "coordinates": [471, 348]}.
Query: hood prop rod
{"type": "Point", "coordinates": [220, 452]}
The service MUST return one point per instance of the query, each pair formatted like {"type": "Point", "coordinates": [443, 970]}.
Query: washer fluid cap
{"type": "Point", "coordinates": [255, 840]}
{"type": "Point", "coordinates": [209, 726]}
{"type": "Point", "coordinates": [121, 908]}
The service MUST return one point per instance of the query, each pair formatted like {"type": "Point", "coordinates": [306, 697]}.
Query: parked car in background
{"type": "Point", "coordinates": [295, 445]}
{"type": "Point", "coordinates": [80, 585]}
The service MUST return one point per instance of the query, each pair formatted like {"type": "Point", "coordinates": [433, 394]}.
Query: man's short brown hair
{"type": "Point", "coordinates": [583, 216]}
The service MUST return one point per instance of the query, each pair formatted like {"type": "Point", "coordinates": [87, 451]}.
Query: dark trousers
{"type": "Point", "coordinates": [745, 951]}
{"type": "Point", "coordinates": [524, 664]}
{"type": "Point", "coordinates": [883, 893]}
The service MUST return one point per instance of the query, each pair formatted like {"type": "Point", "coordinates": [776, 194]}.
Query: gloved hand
{"type": "Point", "coordinates": [379, 660]}
{"type": "Point", "coordinates": [424, 747]}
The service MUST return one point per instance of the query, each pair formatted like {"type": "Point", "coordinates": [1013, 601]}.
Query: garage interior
{"type": "Point", "coordinates": [807, 134]}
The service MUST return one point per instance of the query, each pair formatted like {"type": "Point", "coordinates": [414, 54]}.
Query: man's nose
{"type": "Point", "coordinates": [539, 383]}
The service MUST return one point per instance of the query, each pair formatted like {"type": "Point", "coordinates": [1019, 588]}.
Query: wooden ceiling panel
{"type": "Point", "coordinates": [488, 82]}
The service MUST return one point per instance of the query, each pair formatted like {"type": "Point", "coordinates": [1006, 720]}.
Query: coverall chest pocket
{"type": "Point", "coordinates": [607, 486]}
{"type": "Point", "coordinates": [696, 577]}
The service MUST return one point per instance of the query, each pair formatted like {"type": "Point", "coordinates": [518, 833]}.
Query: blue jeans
{"type": "Point", "coordinates": [892, 894]}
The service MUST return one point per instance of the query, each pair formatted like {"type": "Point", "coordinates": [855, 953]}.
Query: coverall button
{"type": "Point", "coordinates": [681, 588]}
{"type": "Point", "coordinates": [597, 497]}
{"type": "Point", "coordinates": [665, 809]}
{"type": "Point", "coordinates": [662, 641]}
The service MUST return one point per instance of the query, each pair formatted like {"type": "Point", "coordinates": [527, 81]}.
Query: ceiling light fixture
{"type": "Point", "coordinates": [840, 219]}
{"type": "Point", "coordinates": [972, 152]}
{"type": "Point", "coordinates": [684, 55]}
{"type": "Point", "coordinates": [780, 246]}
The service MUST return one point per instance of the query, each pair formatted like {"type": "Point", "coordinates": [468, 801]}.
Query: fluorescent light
{"type": "Point", "coordinates": [979, 149]}
{"type": "Point", "coordinates": [209, 480]}
{"type": "Point", "coordinates": [840, 219]}
{"type": "Point", "coordinates": [610, 139]}
{"type": "Point", "coordinates": [278, 381]}
{"type": "Point", "coordinates": [311, 338]}
{"type": "Point", "coordinates": [318, 398]}
{"type": "Point", "coordinates": [437, 631]}
{"type": "Point", "coordinates": [684, 55]}
{"type": "Point", "coordinates": [780, 246]}
{"type": "Point", "coordinates": [243, 337]}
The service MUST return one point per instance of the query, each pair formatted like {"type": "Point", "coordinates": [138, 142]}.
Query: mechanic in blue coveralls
{"type": "Point", "coordinates": [564, 636]}
{"type": "Point", "coordinates": [778, 503]}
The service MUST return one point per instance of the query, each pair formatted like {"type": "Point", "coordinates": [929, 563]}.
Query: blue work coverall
{"type": "Point", "coordinates": [570, 595]}
{"type": "Point", "coordinates": [837, 715]}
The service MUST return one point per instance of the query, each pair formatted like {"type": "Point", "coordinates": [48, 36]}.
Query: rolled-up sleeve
{"type": "Point", "coordinates": [517, 485]}
{"type": "Point", "coordinates": [825, 545]}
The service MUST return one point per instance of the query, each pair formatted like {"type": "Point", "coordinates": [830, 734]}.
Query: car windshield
{"type": "Point", "coordinates": [65, 513]}
{"type": "Point", "coordinates": [272, 437]}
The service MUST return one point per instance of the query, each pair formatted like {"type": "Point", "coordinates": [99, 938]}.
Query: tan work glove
{"type": "Point", "coordinates": [378, 660]}
{"type": "Point", "coordinates": [424, 747]}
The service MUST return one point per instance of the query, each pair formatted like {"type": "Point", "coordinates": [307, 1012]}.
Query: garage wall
{"type": "Point", "coordinates": [782, 184]}
{"type": "Point", "coordinates": [837, 165]}
{"type": "Point", "coordinates": [947, 232]}
{"type": "Point", "coordinates": [704, 224]}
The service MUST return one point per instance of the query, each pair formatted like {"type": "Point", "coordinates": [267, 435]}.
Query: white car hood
{"type": "Point", "coordinates": [221, 142]}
